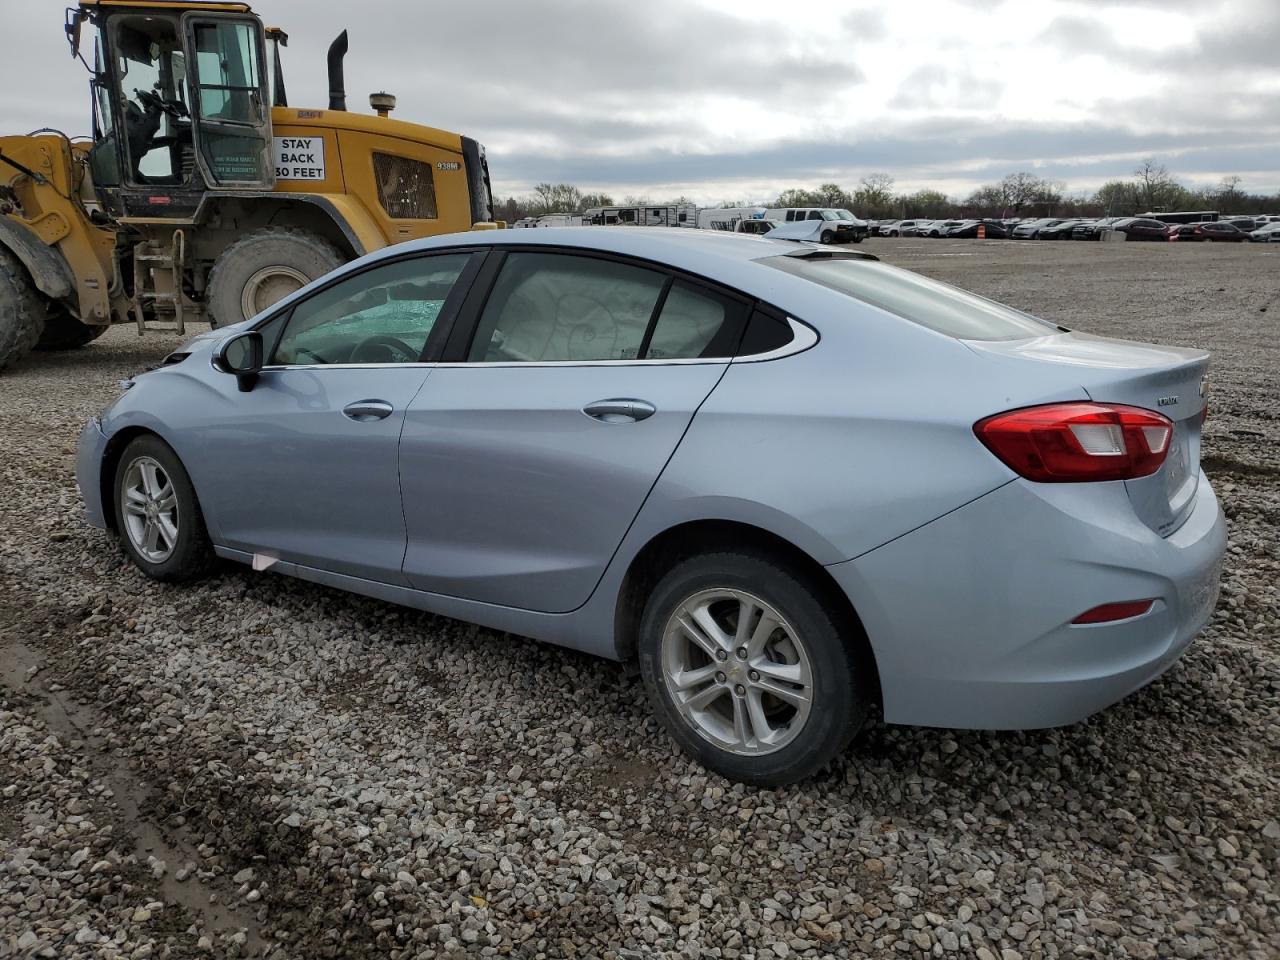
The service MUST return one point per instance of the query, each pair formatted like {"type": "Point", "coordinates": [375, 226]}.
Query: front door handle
{"type": "Point", "coordinates": [363, 411]}
{"type": "Point", "coordinates": [620, 410]}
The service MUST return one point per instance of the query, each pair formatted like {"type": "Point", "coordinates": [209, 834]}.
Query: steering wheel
{"type": "Point", "coordinates": [382, 348]}
{"type": "Point", "coordinates": [153, 101]}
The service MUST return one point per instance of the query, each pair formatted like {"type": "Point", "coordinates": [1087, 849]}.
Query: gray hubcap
{"type": "Point", "coordinates": [150, 508]}
{"type": "Point", "coordinates": [269, 285]}
{"type": "Point", "coordinates": [737, 671]}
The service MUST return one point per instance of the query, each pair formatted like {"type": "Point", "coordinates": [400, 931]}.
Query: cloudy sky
{"type": "Point", "coordinates": [738, 99]}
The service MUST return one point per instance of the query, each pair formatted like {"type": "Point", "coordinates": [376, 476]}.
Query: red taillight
{"type": "Point", "coordinates": [1115, 611]}
{"type": "Point", "coordinates": [1074, 442]}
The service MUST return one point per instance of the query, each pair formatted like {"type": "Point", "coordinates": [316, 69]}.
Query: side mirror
{"type": "Point", "coordinates": [242, 355]}
{"type": "Point", "coordinates": [75, 19]}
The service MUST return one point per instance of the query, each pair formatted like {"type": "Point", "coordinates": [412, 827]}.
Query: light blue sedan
{"type": "Point", "coordinates": [790, 482]}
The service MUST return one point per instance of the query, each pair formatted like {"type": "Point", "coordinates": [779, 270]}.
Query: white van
{"type": "Point", "coordinates": [725, 218]}
{"type": "Point", "coordinates": [840, 226]}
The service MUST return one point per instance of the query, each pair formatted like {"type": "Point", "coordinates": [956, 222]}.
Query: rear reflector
{"type": "Point", "coordinates": [1076, 442]}
{"type": "Point", "coordinates": [1115, 611]}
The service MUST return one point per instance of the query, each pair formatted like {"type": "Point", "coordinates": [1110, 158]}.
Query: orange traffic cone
{"type": "Point", "coordinates": [982, 231]}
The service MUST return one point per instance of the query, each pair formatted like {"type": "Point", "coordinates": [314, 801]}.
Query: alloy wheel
{"type": "Point", "coordinates": [149, 505]}
{"type": "Point", "coordinates": [738, 673]}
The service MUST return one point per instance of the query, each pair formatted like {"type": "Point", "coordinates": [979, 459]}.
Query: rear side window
{"type": "Point", "coordinates": [695, 323]}
{"type": "Point", "coordinates": [548, 307]}
{"type": "Point", "coordinates": [931, 304]}
{"type": "Point", "coordinates": [765, 333]}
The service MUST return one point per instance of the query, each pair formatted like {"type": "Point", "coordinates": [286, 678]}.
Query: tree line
{"type": "Point", "coordinates": [1151, 188]}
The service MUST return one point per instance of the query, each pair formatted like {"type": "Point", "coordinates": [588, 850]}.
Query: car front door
{"type": "Point", "coordinates": [303, 467]}
{"type": "Point", "coordinates": [524, 461]}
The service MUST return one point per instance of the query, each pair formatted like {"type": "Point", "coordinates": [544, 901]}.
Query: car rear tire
{"type": "Point", "coordinates": [768, 704]}
{"type": "Point", "coordinates": [158, 517]}
{"type": "Point", "coordinates": [264, 267]}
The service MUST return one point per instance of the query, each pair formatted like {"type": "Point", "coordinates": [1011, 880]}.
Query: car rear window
{"type": "Point", "coordinates": [937, 306]}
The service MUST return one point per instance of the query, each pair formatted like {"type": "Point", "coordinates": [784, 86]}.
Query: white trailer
{"type": "Point", "coordinates": [559, 220]}
{"type": "Point", "coordinates": [725, 218]}
{"type": "Point", "coordinates": [681, 215]}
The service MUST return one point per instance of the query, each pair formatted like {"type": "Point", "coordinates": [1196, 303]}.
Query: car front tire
{"type": "Point", "coordinates": [747, 667]}
{"type": "Point", "coordinates": [158, 517]}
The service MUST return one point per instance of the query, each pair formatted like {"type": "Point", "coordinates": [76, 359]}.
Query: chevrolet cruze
{"type": "Point", "coordinates": [790, 482]}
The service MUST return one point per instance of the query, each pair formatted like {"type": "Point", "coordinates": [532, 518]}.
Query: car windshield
{"type": "Point", "coordinates": [836, 215]}
{"type": "Point", "coordinates": [942, 308]}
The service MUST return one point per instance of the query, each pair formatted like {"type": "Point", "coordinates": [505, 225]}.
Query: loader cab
{"type": "Point", "coordinates": [180, 105]}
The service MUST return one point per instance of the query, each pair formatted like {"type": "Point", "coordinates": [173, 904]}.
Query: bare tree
{"type": "Point", "coordinates": [1228, 196]}
{"type": "Point", "coordinates": [874, 196]}
{"type": "Point", "coordinates": [1116, 198]}
{"type": "Point", "coordinates": [589, 200]}
{"type": "Point", "coordinates": [1022, 189]}
{"type": "Point", "coordinates": [1157, 190]}
{"type": "Point", "coordinates": [556, 198]}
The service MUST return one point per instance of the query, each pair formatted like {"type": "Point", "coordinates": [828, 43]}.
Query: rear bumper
{"type": "Point", "coordinates": [89, 454]}
{"type": "Point", "coordinates": [970, 616]}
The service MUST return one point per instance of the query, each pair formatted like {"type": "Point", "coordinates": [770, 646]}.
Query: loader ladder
{"type": "Point", "coordinates": [157, 281]}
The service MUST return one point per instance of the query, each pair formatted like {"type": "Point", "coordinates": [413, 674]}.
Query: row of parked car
{"type": "Point", "coordinates": [1262, 229]}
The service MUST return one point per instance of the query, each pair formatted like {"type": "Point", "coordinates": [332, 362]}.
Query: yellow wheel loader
{"type": "Point", "coordinates": [202, 195]}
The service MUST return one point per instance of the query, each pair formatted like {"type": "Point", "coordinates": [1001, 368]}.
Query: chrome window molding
{"type": "Point", "coordinates": [802, 338]}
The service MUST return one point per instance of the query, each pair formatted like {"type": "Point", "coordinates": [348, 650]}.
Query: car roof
{"type": "Point", "coordinates": [719, 255]}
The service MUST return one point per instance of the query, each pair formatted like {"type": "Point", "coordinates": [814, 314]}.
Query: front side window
{"type": "Point", "coordinates": [938, 306]}
{"type": "Point", "coordinates": [548, 307]}
{"type": "Point", "coordinates": [383, 315]}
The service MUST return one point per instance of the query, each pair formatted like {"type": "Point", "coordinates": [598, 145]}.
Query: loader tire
{"type": "Point", "coordinates": [21, 311]}
{"type": "Point", "coordinates": [62, 331]}
{"type": "Point", "coordinates": [263, 267]}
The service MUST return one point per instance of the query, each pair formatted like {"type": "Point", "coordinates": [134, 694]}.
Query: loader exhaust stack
{"type": "Point", "coordinates": [337, 86]}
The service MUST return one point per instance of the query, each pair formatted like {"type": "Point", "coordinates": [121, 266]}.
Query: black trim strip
{"type": "Point", "coordinates": [661, 302]}
{"type": "Point", "coordinates": [464, 330]}
{"type": "Point", "coordinates": [433, 348]}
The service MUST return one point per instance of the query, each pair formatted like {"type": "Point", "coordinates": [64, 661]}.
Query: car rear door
{"type": "Point", "coordinates": [569, 382]}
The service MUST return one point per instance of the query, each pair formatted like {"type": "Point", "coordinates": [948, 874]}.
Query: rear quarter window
{"type": "Point", "coordinates": [937, 306]}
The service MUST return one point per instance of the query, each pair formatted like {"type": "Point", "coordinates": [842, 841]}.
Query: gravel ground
{"type": "Point", "coordinates": [262, 766]}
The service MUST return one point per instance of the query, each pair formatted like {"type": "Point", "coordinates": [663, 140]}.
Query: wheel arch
{"type": "Point", "coordinates": [111, 454]}
{"type": "Point", "coordinates": [227, 216]}
{"type": "Point", "coordinates": [694, 537]}
{"type": "Point", "coordinates": [46, 266]}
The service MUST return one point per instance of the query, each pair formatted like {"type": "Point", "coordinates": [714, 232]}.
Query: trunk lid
{"type": "Point", "coordinates": [1168, 380]}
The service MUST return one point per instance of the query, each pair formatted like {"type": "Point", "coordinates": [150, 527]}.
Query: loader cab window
{"type": "Point", "coordinates": [150, 92]}
{"type": "Point", "coordinates": [234, 129]}
{"type": "Point", "coordinates": [229, 72]}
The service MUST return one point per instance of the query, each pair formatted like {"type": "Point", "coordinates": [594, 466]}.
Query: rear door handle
{"type": "Point", "coordinates": [363, 411]}
{"type": "Point", "coordinates": [620, 410]}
